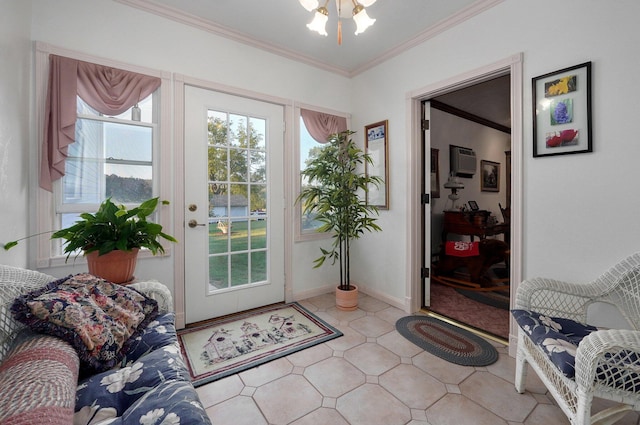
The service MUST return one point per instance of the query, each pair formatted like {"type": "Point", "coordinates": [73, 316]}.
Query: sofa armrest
{"type": "Point", "coordinates": [39, 379]}
{"type": "Point", "coordinates": [157, 291]}
{"type": "Point", "coordinates": [14, 282]}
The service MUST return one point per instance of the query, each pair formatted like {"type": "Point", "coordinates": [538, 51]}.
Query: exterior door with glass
{"type": "Point", "coordinates": [234, 199]}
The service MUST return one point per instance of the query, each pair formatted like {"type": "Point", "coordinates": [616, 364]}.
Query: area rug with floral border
{"type": "Point", "coordinates": [236, 343]}
{"type": "Point", "coordinates": [451, 343]}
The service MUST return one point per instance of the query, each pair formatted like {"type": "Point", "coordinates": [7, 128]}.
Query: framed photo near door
{"type": "Point", "coordinates": [562, 111]}
{"type": "Point", "coordinates": [376, 145]}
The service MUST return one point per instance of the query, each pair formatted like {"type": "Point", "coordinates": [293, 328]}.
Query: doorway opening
{"type": "Point", "coordinates": [483, 195]}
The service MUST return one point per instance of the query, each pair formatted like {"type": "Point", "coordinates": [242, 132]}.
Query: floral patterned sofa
{"type": "Point", "coordinates": [115, 359]}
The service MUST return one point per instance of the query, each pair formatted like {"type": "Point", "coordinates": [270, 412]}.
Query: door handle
{"type": "Point", "coordinates": [193, 223]}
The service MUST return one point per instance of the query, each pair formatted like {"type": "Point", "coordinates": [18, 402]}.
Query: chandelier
{"type": "Point", "coordinates": [345, 9]}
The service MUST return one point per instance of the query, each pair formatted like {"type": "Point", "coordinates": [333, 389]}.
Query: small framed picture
{"type": "Point", "coordinates": [490, 177]}
{"type": "Point", "coordinates": [562, 111]}
{"type": "Point", "coordinates": [473, 205]}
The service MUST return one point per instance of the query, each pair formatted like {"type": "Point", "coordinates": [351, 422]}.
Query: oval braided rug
{"type": "Point", "coordinates": [446, 341]}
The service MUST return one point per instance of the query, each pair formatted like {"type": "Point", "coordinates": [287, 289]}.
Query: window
{"type": "Point", "coordinates": [307, 147]}
{"type": "Point", "coordinates": [112, 156]}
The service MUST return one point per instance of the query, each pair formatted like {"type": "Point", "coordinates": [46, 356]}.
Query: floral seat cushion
{"type": "Point", "coordinates": [557, 337]}
{"type": "Point", "coordinates": [152, 387]}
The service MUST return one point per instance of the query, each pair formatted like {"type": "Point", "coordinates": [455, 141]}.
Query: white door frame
{"type": "Point", "coordinates": [178, 199]}
{"type": "Point", "coordinates": [513, 66]}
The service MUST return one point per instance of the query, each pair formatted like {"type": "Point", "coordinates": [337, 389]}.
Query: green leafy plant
{"type": "Point", "coordinates": [111, 228]}
{"type": "Point", "coordinates": [331, 193]}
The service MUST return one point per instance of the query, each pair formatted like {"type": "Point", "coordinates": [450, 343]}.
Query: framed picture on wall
{"type": "Point", "coordinates": [490, 176]}
{"type": "Point", "coordinates": [562, 111]}
{"type": "Point", "coordinates": [376, 145]}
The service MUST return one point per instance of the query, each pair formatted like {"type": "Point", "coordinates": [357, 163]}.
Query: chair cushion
{"type": "Point", "coordinates": [557, 337]}
{"type": "Point", "coordinates": [95, 316]}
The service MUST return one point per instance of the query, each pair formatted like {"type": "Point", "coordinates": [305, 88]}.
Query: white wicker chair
{"type": "Point", "coordinates": [607, 361]}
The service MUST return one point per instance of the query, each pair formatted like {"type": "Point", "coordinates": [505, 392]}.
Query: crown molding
{"type": "Point", "coordinates": [231, 34]}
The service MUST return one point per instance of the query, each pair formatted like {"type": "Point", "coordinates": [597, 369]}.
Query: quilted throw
{"type": "Point", "coordinates": [95, 316]}
{"type": "Point", "coordinates": [557, 337]}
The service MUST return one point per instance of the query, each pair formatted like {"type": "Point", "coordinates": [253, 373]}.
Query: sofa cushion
{"type": "Point", "coordinates": [38, 380]}
{"type": "Point", "coordinates": [557, 337]}
{"type": "Point", "coordinates": [98, 318]}
{"type": "Point", "coordinates": [154, 387]}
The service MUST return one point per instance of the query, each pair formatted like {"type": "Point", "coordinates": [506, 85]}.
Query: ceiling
{"type": "Point", "coordinates": [279, 26]}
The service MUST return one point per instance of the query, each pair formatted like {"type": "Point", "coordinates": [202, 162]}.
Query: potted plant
{"type": "Point", "coordinates": [112, 237]}
{"type": "Point", "coordinates": [331, 193]}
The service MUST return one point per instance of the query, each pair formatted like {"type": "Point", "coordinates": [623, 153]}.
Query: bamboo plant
{"type": "Point", "coordinates": [333, 183]}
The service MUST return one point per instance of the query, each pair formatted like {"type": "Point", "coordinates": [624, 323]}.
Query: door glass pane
{"type": "Point", "coordinates": [218, 272]}
{"type": "Point", "coordinates": [239, 269]}
{"type": "Point", "coordinates": [258, 266]}
{"type": "Point", "coordinates": [238, 219]}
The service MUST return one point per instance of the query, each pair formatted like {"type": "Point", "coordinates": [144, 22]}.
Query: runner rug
{"type": "Point", "coordinates": [446, 341]}
{"type": "Point", "coordinates": [233, 344]}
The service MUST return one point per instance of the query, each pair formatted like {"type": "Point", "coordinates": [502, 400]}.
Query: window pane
{"type": "Point", "coordinates": [258, 166]}
{"type": "Point", "coordinates": [238, 130]}
{"type": "Point", "coordinates": [258, 233]}
{"type": "Point", "coordinates": [238, 163]}
{"type": "Point", "coordinates": [309, 147]}
{"type": "Point", "coordinates": [109, 160]}
{"type": "Point", "coordinates": [239, 269]}
{"type": "Point", "coordinates": [217, 164]}
{"type": "Point", "coordinates": [258, 128]}
{"type": "Point", "coordinates": [217, 128]}
{"type": "Point", "coordinates": [218, 272]}
{"type": "Point", "coordinates": [258, 266]}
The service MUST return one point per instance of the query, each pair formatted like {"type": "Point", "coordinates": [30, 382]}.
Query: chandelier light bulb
{"type": "Point", "coordinates": [362, 20]}
{"type": "Point", "coordinates": [319, 21]}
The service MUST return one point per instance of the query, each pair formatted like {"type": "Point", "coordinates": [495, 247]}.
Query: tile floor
{"type": "Point", "coordinates": [372, 375]}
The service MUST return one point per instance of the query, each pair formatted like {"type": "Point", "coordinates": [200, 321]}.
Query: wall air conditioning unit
{"type": "Point", "coordinates": [462, 161]}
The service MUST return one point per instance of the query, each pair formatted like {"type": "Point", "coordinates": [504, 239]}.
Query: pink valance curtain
{"type": "Point", "coordinates": [321, 125]}
{"type": "Point", "coordinates": [110, 91]}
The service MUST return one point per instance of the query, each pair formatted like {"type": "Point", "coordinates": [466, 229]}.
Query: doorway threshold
{"type": "Point", "coordinates": [466, 327]}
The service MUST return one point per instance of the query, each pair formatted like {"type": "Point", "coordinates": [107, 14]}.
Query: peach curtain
{"type": "Point", "coordinates": [321, 125]}
{"type": "Point", "coordinates": [110, 91]}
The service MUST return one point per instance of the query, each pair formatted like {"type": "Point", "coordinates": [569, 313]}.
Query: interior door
{"type": "Point", "coordinates": [234, 200]}
{"type": "Point", "coordinates": [426, 204]}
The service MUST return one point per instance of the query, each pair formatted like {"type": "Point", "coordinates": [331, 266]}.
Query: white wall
{"type": "Point", "coordinates": [15, 71]}
{"type": "Point", "coordinates": [578, 219]}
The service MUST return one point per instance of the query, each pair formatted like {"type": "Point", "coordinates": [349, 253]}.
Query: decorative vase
{"type": "Point", "coordinates": [116, 266]}
{"type": "Point", "coordinates": [347, 300]}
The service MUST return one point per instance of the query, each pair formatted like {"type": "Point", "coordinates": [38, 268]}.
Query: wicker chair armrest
{"type": "Point", "coordinates": [555, 298]}
{"type": "Point", "coordinates": [609, 358]}
{"type": "Point", "coordinates": [157, 291]}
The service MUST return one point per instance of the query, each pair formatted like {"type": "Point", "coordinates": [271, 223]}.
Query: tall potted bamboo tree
{"type": "Point", "coordinates": [333, 183]}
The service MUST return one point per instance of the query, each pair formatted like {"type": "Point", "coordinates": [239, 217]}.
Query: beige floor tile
{"type": "Point", "coordinates": [220, 390]}
{"type": "Point", "coordinates": [455, 409]}
{"type": "Point", "coordinates": [322, 416]}
{"type": "Point", "coordinates": [498, 396]}
{"type": "Point", "coordinates": [323, 301]}
{"type": "Point", "coordinates": [544, 414]}
{"type": "Point", "coordinates": [371, 326]}
{"type": "Point", "coordinates": [412, 386]}
{"type": "Point", "coordinates": [371, 304]}
{"type": "Point", "coordinates": [350, 339]}
{"type": "Point", "coordinates": [442, 370]}
{"type": "Point", "coordinates": [267, 372]}
{"type": "Point", "coordinates": [398, 344]}
{"type": "Point", "coordinates": [391, 314]}
{"type": "Point", "coordinates": [236, 411]}
{"type": "Point", "coordinates": [310, 355]}
{"type": "Point", "coordinates": [287, 399]}
{"type": "Point", "coordinates": [334, 377]}
{"type": "Point", "coordinates": [372, 405]}
{"type": "Point", "coordinates": [372, 359]}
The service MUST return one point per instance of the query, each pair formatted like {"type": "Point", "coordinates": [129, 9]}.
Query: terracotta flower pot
{"type": "Point", "coordinates": [116, 266]}
{"type": "Point", "coordinates": [347, 300]}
